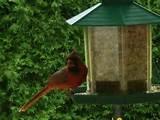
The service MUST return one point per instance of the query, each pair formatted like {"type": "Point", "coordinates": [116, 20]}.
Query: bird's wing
{"type": "Point", "coordinates": [59, 76]}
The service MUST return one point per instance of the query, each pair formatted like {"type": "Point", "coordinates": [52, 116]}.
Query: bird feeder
{"type": "Point", "coordinates": [118, 47]}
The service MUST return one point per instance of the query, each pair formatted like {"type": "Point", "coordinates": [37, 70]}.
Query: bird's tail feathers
{"type": "Point", "coordinates": [34, 99]}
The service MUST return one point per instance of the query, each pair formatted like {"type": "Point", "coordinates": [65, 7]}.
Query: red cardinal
{"type": "Point", "coordinates": [69, 77]}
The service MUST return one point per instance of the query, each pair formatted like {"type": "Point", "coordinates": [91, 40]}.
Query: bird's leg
{"type": "Point", "coordinates": [70, 93]}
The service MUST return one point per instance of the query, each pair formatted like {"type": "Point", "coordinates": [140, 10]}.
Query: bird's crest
{"type": "Point", "coordinates": [73, 55]}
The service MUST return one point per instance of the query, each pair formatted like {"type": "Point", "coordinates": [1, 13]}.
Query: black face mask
{"type": "Point", "coordinates": [74, 70]}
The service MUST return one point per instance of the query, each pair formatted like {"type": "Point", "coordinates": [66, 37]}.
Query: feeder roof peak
{"type": "Point", "coordinates": [106, 14]}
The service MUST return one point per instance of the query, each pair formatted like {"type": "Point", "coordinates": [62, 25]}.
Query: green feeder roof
{"type": "Point", "coordinates": [107, 13]}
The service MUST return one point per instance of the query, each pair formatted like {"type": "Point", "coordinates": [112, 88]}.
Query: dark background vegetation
{"type": "Point", "coordinates": [34, 42]}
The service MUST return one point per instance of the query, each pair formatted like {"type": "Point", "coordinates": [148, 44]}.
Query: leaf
{"type": "Point", "coordinates": [11, 75]}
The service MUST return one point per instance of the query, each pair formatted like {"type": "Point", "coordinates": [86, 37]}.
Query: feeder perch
{"type": "Point", "coordinates": [118, 51]}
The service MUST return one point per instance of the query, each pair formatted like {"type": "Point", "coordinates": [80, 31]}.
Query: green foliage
{"type": "Point", "coordinates": [34, 42]}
